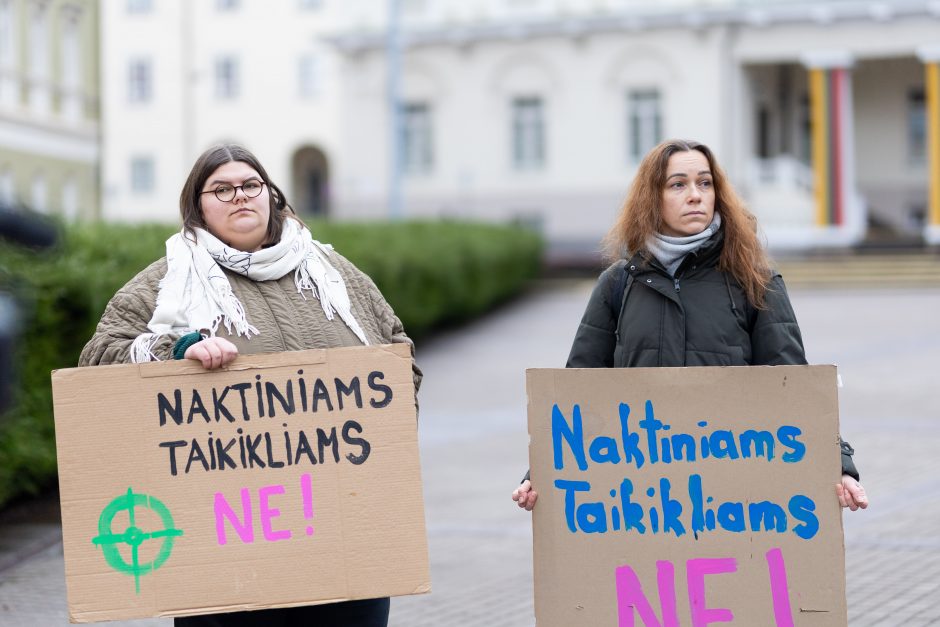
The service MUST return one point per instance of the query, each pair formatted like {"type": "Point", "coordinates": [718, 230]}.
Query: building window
{"type": "Point", "coordinates": [417, 138]}
{"type": "Point", "coordinates": [142, 179]}
{"type": "Point", "coordinates": [528, 133]}
{"type": "Point", "coordinates": [7, 195]}
{"type": "Point", "coordinates": [308, 75]}
{"type": "Point", "coordinates": [139, 81]}
{"type": "Point", "coordinates": [916, 126]}
{"type": "Point", "coordinates": [763, 131]}
{"type": "Point", "coordinates": [645, 122]}
{"type": "Point", "coordinates": [70, 198]}
{"type": "Point", "coordinates": [227, 5]}
{"type": "Point", "coordinates": [139, 6]}
{"type": "Point", "coordinates": [7, 32]}
{"type": "Point", "coordinates": [805, 130]}
{"type": "Point", "coordinates": [70, 66]}
{"type": "Point", "coordinates": [413, 8]}
{"type": "Point", "coordinates": [38, 194]}
{"type": "Point", "coordinates": [9, 94]}
{"type": "Point", "coordinates": [226, 78]}
{"type": "Point", "coordinates": [40, 99]}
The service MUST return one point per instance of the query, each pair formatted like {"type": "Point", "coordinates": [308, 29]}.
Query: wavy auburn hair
{"type": "Point", "coordinates": [207, 163]}
{"type": "Point", "coordinates": [641, 216]}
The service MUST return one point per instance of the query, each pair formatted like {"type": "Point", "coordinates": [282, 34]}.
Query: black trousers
{"type": "Point", "coordinates": [363, 613]}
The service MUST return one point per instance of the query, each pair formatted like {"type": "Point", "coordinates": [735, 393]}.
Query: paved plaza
{"type": "Point", "coordinates": [473, 446]}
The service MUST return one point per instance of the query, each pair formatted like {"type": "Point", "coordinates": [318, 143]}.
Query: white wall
{"type": "Point", "coordinates": [184, 40]}
{"type": "Point", "coordinates": [583, 82]}
{"type": "Point", "coordinates": [154, 129]}
{"type": "Point", "coordinates": [862, 38]}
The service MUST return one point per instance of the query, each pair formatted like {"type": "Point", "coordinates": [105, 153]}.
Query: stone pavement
{"type": "Point", "coordinates": [473, 446]}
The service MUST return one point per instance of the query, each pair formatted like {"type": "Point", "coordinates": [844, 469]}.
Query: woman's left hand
{"type": "Point", "coordinates": [851, 493]}
{"type": "Point", "coordinates": [524, 496]}
{"type": "Point", "coordinates": [212, 352]}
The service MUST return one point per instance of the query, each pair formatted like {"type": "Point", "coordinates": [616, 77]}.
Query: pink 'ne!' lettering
{"type": "Point", "coordinates": [695, 574]}
{"type": "Point", "coordinates": [267, 513]}
{"type": "Point", "coordinates": [244, 526]}
{"type": "Point", "coordinates": [778, 588]}
{"type": "Point", "coordinates": [630, 596]}
{"type": "Point", "coordinates": [223, 510]}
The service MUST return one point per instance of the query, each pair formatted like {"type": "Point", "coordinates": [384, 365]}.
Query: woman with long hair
{"type": "Point", "coordinates": [691, 285]}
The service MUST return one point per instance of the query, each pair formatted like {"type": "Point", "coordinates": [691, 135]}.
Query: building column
{"type": "Point", "coordinates": [930, 56]}
{"type": "Point", "coordinates": [840, 214]}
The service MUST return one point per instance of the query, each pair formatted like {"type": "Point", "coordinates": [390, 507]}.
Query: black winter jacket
{"type": "Point", "coordinates": [700, 317]}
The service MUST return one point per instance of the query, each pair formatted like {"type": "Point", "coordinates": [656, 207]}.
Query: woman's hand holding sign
{"type": "Point", "coordinates": [212, 352]}
{"type": "Point", "coordinates": [851, 493]}
{"type": "Point", "coordinates": [525, 496]}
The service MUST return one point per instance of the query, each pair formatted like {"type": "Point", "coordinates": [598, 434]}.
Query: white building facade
{"type": "Point", "coordinates": [49, 148]}
{"type": "Point", "coordinates": [825, 115]}
{"type": "Point", "coordinates": [180, 76]}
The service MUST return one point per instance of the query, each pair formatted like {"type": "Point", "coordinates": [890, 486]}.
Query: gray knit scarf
{"type": "Point", "coordinates": [670, 251]}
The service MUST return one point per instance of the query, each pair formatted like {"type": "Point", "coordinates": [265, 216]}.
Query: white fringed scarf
{"type": "Point", "coordinates": [195, 294]}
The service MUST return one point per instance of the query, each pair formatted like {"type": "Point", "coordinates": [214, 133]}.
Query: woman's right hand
{"type": "Point", "coordinates": [525, 496]}
{"type": "Point", "coordinates": [212, 352]}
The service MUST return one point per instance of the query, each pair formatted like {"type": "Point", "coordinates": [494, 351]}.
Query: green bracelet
{"type": "Point", "coordinates": [179, 349]}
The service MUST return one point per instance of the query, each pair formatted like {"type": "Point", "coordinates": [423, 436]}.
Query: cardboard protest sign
{"type": "Point", "coordinates": [686, 496]}
{"type": "Point", "coordinates": [282, 480]}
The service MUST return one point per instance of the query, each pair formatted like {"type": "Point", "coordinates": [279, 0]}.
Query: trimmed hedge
{"type": "Point", "coordinates": [432, 273]}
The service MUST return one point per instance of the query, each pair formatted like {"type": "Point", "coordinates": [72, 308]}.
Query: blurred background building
{"type": "Point", "coordinates": [825, 114]}
{"type": "Point", "coordinates": [541, 109]}
{"type": "Point", "coordinates": [181, 75]}
{"type": "Point", "coordinates": [49, 115]}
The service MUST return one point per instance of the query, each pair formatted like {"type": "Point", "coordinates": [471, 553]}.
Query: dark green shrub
{"type": "Point", "coordinates": [432, 273]}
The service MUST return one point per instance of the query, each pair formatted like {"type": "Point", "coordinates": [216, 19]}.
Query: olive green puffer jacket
{"type": "Point", "coordinates": [286, 319]}
{"type": "Point", "coordinates": [700, 317]}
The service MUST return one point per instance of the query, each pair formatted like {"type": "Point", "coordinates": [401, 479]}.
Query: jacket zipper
{"type": "Point", "coordinates": [676, 279]}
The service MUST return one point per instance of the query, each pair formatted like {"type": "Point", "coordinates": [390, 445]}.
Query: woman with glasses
{"type": "Point", "coordinates": [244, 275]}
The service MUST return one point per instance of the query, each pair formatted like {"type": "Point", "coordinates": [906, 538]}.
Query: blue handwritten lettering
{"type": "Point", "coordinates": [604, 449]}
{"type": "Point", "coordinates": [592, 518]}
{"type": "Point", "coordinates": [570, 487]}
{"type": "Point", "coordinates": [573, 435]}
{"type": "Point", "coordinates": [722, 444]}
{"type": "Point", "coordinates": [651, 424]}
{"type": "Point", "coordinates": [731, 516]}
{"type": "Point", "coordinates": [632, 512]}
{"type": "Point", "coordinates": [787, 435]}
{"type": "Point", "coordinates": [761, 441]}
{"type": "Point", "coordinates": [802, 507]}
{"type": "Point", "coordinates": [672, 509]}
{"type": "Point", "coordinates": [631, 441]}
{"type": "Point", "coordinates": [770, 514]}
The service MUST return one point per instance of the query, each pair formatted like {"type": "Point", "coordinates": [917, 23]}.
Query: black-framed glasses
{"type": "Point", "coordinates": [226, 193]}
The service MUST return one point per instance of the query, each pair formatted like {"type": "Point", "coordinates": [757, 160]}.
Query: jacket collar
{"type": "Point", "coordinates": [707, 255]}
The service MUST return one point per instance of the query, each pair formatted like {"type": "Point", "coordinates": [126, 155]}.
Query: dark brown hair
{"type": "Point", "coordinates": [207, 163]}
{"type": "Point", "coordinates": [641, 216]}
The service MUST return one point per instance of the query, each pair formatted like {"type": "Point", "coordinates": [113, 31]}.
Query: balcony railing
{"type": "Point", "coordinates": [782, 171]}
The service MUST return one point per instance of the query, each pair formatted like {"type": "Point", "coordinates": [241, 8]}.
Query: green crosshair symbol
{"type": "Point", "coordinates": [134, 536]}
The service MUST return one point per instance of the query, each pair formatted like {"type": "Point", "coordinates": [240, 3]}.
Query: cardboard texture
{"type": "Point", "coordinates": [291, 479]}
{"type": "Point", "coordinates": [624, 537]}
